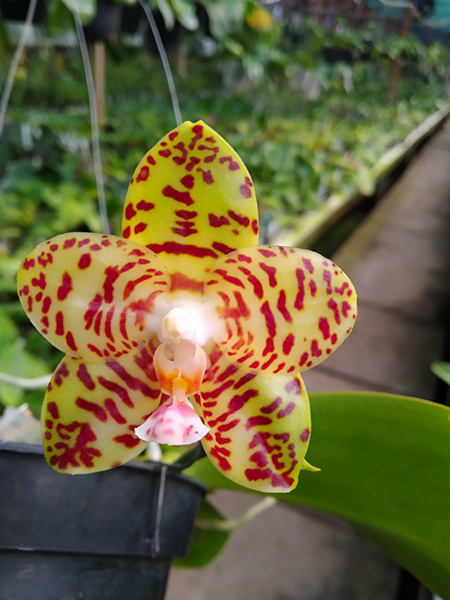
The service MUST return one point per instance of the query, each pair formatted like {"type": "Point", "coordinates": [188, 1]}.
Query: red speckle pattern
{"type": "Point", "coordinates": [271, 453]}
{"type": "Point", "coordinates": [185, 169]}
{"type": "Point", "coordinates": [273, 293]}
{"type": "Point", "coordinates": [80, 307]}
{"type": "Point", "coordinates": [101, 396]}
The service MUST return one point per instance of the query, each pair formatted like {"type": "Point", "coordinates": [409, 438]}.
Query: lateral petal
{"type": "Point", "coordinates": [259, 426]}
{"type": "Point", "coordinates": [90, 295]}
{"type": "Point", "coordinates": [282, 310]}
{"type": "Point", "coordinates": [91, 410]}
{"type": "Point", "coordinates": [191, 196]}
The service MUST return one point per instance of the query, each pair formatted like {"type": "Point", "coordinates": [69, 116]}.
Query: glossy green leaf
{"type": "Point", "coordinates": [385, 468]}
{"type": "Point", "coordinates": [442, 370]}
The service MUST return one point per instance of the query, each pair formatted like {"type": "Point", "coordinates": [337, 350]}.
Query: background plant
{"type": "Point", "coordinates": [303, 105]}
{"type": "Point", "coordinates": [317, 137]}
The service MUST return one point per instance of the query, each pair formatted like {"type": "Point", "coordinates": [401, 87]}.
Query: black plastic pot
{"type": "Point", "coordinates": [105, 26]}
{"type": "Point", "coordinates": [104, 536]}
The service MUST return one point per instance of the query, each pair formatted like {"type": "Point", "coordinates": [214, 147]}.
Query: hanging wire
{"type": "Point", "coordinates": [94, 124]}
{"type": "Point", "coordinates": [164, 60]}
{"type": "Point", "coordinates": [26, 31]}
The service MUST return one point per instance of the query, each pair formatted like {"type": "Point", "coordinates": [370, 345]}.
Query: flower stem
{"type": "Point", "coordinates": [230, 524]}
{"type": "Point", "coordinates": [26, 383]}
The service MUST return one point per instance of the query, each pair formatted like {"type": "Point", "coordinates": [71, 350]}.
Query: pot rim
{"type": "Point", "coordinates": [134, 465]}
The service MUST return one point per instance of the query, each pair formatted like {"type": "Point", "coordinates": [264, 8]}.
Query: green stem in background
{"type": "Point", "coordinates": [441, 369]}
{"type": "Point", "coordinates": [385, 468]}
{"type": "Point", "coordinates": [94, 124]}
{"type": "Point", "coordinates": [26, 31]}
{"type": "Point", "coordinates": [164, 60]}
{"type": "Point", "coordinates": [25, 383]}
{"type": "Point", "coordinates": [230, 524]}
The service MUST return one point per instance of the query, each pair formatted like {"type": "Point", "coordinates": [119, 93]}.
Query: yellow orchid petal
{"type": "Point", "coordinates": [90, 294]}
{"type": "Point", "coordinates": [283, 310]}
{"type": "Point", "coordinates": [259, 426]}
{"type": "Point", "coordinates": [191, 200]}
{"type": "Point", "coordinates": [91, 410]}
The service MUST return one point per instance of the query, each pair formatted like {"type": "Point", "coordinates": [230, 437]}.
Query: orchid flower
{"type": "Point", "coordinates": [184, 329]}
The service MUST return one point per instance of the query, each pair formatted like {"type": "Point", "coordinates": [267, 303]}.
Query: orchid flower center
{"type": "Point", "coordinates": [180, 364]}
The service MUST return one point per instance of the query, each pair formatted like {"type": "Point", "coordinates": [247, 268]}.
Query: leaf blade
{"type": "Point", "coordinates": [386, 471]}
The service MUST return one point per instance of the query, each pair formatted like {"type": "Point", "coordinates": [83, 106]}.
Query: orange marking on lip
{"type": "Point", "coordinates": [166, 381]}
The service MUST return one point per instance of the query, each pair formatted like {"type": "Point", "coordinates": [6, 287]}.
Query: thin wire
{"type": "Point", "coordinates": [26, 31]}
{"type": "Point", "coordinates": [94, 125]}
{"type": "Point", "coordinates": [164, 60]}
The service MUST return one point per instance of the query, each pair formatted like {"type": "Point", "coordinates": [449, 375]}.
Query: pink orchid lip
{"type": "Point", "coordinates": [175, 424]}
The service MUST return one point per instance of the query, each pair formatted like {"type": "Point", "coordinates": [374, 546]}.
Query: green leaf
{"type": "Point", "coordinates": [15, 360]}
{"type": "Point", "coordinates": [205, 543]}
{"type": "Point", "coordinates": [8, 330]}
{"type": "Point", "coordinates": [85, 8]}
{"type": "Point", "coordinates": [126, 2]}
{"type": "Point", "coordinates": [185, 14]}
{"type": "Point", "coordinates": [167, 13]}
{"type": "Point", "coordinates": [385, 468]}
{"type": "Point", "coordinates": [224, 16]}
{"type": "Point", "coordinates": [442, 370]}
{"type": "Point", "coordinates": [365, 181]}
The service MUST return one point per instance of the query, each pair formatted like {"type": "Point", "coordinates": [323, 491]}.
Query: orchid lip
{"type": "Point", "coordinates": [175, 424]}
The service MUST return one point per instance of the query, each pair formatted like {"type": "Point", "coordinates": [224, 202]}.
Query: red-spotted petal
{"type": "Point", "coordinates": [282, 310]}
{"type": "Point", "coordinates": [191, 200]}
{"type": "Point", "coordinates": [90, 295]}
{"type": "Point", "coordinates": [259, 425]}
{"type": "Point", "coordinates": [91, 410]}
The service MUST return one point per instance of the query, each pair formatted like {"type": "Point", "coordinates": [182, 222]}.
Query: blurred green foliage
{"type": "Point", "coordinates": [305, 123]}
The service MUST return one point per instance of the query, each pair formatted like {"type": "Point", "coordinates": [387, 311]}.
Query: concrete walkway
{"type": "Point", "coordinates": [399, 261]}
